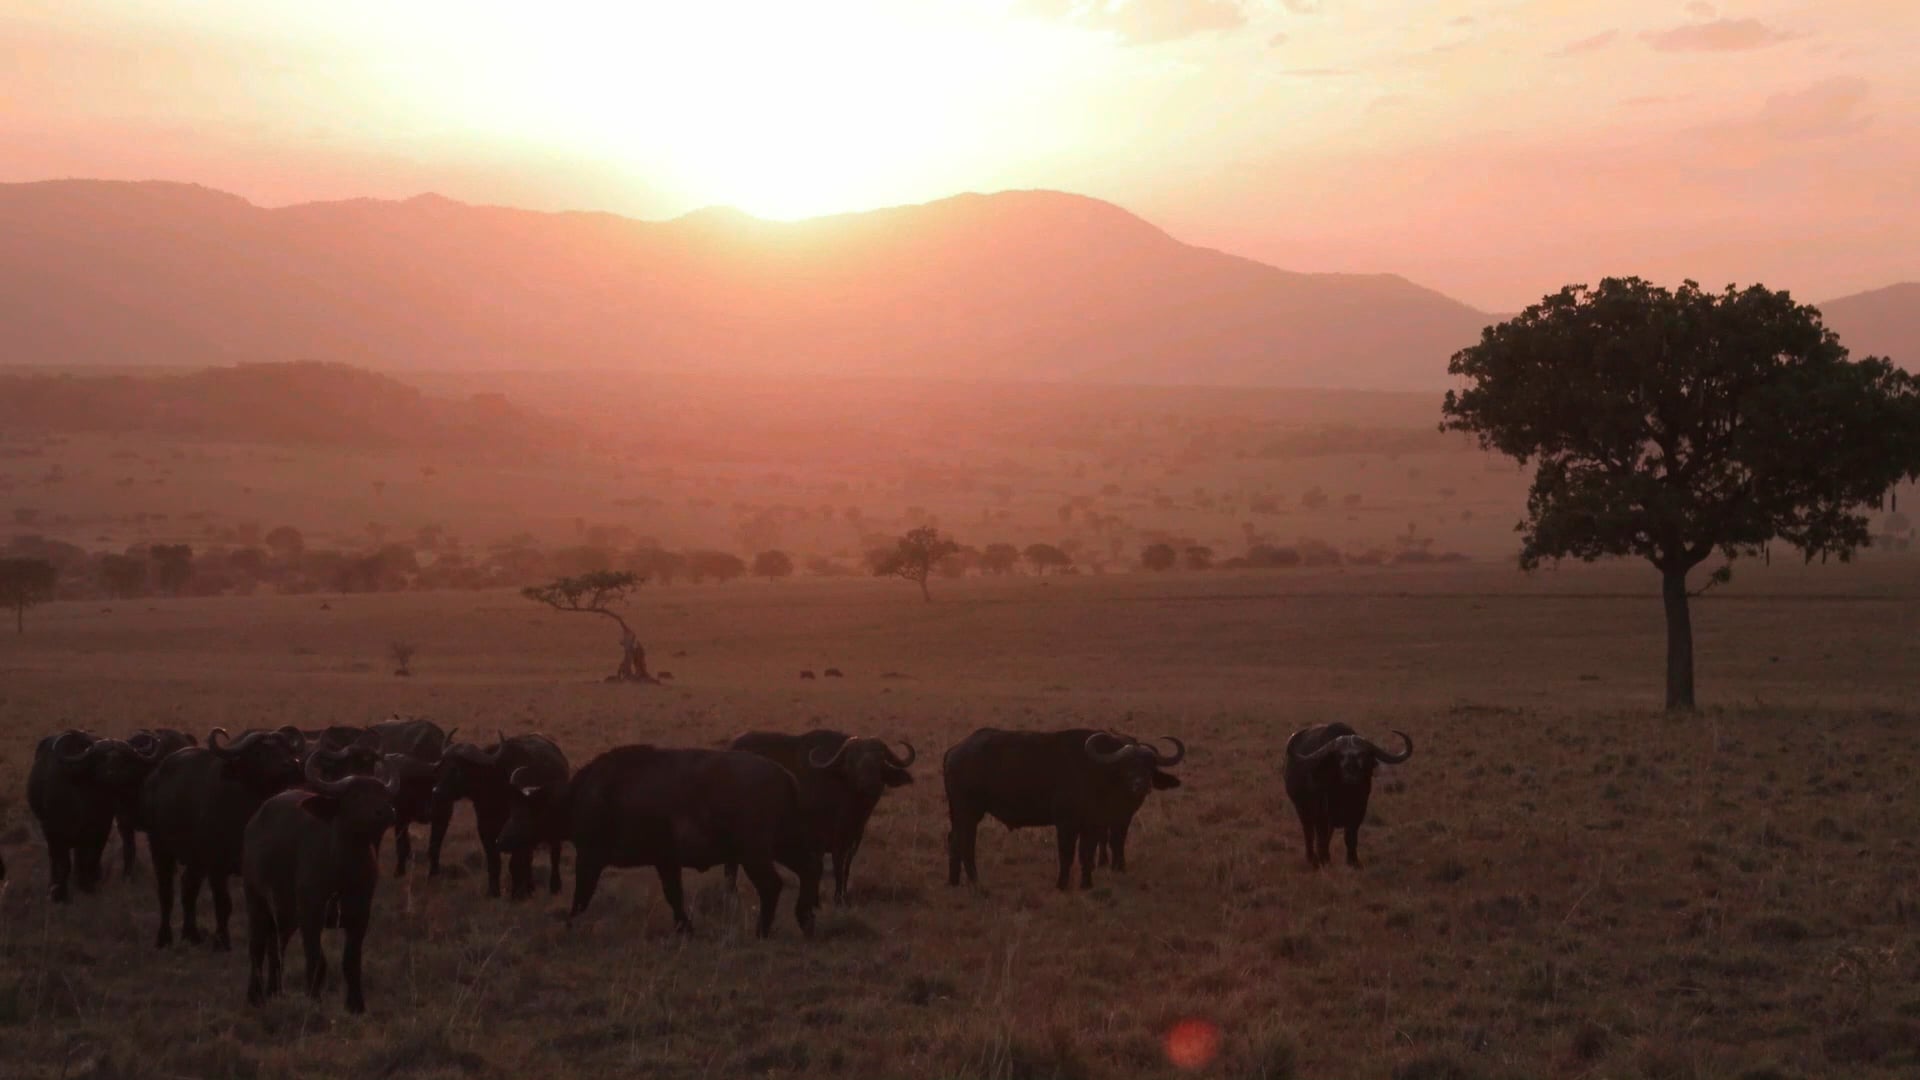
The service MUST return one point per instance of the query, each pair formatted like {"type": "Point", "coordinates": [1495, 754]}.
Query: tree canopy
{"type": "Point", "coordinates": [598, 593]}
{"type": "Point", "coordinates": [24, 583]}
{"type": "Point", "coordinates": [914, 557]}
{"type": "Point", "coordinates": [1673, 424]}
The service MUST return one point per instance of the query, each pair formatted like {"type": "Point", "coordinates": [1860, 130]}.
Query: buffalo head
{"type": "Point", "coordinates": [359, 806]}
{"type": "Point", "coordinates": [463, 765]}
{"type": "Point", "coordinates": [1136, 764]}
{"type": "Point", "coordinates": [1354, 755]}
{"type": "Point", "coordinates": [868, 764]}
{"type": "Point", "coordinates": [267, 761]}
{"type": "Point", "coordinates": [532, 812]}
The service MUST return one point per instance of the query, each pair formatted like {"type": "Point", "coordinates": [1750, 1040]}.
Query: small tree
{"type": "Point", "coordinates": [597, 594]}
{"type": "Point", "coordinates": [1199, 557]}
{"type": "Point", "coordinates": [773, 564]}
{"type": "Point", "coordinates": [1159, 557]}
{"type": "Point", "coordinates": [123, 576]}
{"type": "Point", "coordinates": [1045, 557]}
{"type": "Point", "coordinates": [172, 566]}
{"type": "Point", "coordinates": [1673, 424]}
{"type": "Point", "coordinates": [999, 559]}
{"type": "Point", "coordinates": [286, 543]}
{"type": "Point", "coordinates": [24, 583]}
{"type": "Point", "coordinates": [914, 557]}
{"type": "Point", "coordinates": [402, 653]}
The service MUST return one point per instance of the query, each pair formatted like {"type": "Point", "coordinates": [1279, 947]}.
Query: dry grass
{"type": "Point", "coordinates": [1562, 882]}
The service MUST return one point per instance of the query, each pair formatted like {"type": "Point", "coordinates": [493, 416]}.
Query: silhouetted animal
{"type": "Point", "coordinates": [160, 742]}
{"type": "Point", "coordinates": [806, 674]}
{"type": "Point", "coordinates": [419, 746]}
{"type": "Point", "coordinates": [467, 772]}
{"type": "Point", "coordinates": [833, 673]}
{"type": "Point", "coordinates": [673, 809]}
{"type": "Point", "coordinates": [1086, 784]}
{"type": "Point", "coordinates": [1329, 775]}
{"type": "Point", "coordinates": [664, 676]}
{"type": "Point", "coordinates": [76, 788]}
{"type": "Point", "coordinates": [196, 806]}
{"type": "Point", "coordinates": [841, 780]}
{"type": "Point", "coordinates": [341, 751]}
{"type": "Point", "coordinates": [306, 852]}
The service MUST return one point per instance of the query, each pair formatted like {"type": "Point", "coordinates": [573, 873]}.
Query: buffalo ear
{"type": "Point", "coordinates": [1164, 780]}
{"type": "Point", "coordinates": [897, 777]}
{"type": "Point", "coordinates": [324, 807]}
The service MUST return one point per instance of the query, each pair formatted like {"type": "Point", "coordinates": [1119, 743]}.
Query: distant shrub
{"type": "Point", "coordinates": [1159, 557]}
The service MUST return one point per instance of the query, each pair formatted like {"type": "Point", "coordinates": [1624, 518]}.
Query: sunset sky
{"type": "Point", "coordinates": [1491, 149]}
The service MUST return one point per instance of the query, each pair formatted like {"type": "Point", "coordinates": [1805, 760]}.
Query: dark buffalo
{"type": "Point", "coordinates": [1086, 784]}
{"type": "Point", "coordinates": [468, 772]}
{"type": "Point", "coordinates": [841, 780]}
{"type": "Point", "coordinates": [78, 785]}
{"type": "Point", "coordinates": [196, 806]}
{"type": "Point", "coordinates": [305, 854]}
{"type": "Point", "coordinates": [673, 809]}
{"type": "Point", "coordinates": [419, 746]}
{"type": "Point", "coordinates": [1329, 776]}
{"type": "Point", "coordinates": [159, 742]}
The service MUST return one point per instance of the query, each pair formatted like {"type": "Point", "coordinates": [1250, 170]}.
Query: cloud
{"type": "Point", "coordinates": [1588, 44]}
{"type": "Point", "coordinates": [1142, 22]}
{"type": "Point", "coordinates": [1720, 35]}
{"type": "Point", "coordinates": [1318, 73]}
{"type": "Point", "coordinates": [1700, 9]}
{"type": "Point", "coordinates": [1302, 7]}
{"type": "Point", "coordinates": [1827, 108]}
{"type": "Point", "coordinates": [1463, 21]}
{"type": "Point", "coordinates": [1277, 40]}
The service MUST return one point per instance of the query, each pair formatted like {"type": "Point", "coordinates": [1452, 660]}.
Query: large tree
{"type": "Point", "coordinates": [24, 583]}
{"type": "Point", "coordinates": [914, 556]}
{"type": "Point", "coordinates": [598, 593]}
{"type": "Point", "coordinates": [1673, 424]}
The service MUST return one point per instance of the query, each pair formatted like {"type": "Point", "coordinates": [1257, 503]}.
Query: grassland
{"type": "Point", "coordinates": [1562, 881]}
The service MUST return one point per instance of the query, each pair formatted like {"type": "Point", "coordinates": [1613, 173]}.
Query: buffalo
{"type": "Point", "coordinates": [305, 854]}
{"type": "Point", "coordinates": [1087, 784]}
{"type": "Point", "coordinates": [672, 809]}
{"type": "Point", "coordinates": [466, 771]}
{"type": "Point", "coordinates": [1329, 777]}
{"type": "Point", "coordinates": [195, 808]}
{"type": "Point", "coordinates": [841, 780]}
{"type": "Point", "coordinates": [160, 742]}
{"type": "Point", "coordinates": [78, 786]}
{"type": "Point", "coordinates": [412, 750]}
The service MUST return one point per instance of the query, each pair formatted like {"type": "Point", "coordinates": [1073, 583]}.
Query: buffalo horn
{"type": "Point", "coordinates": [1394, 759]}
{"type": "Point", "coordinates": [813, 758]}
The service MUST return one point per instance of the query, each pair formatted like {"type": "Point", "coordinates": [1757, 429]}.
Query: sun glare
{"type": "Point", "coordinates": [782, 110]}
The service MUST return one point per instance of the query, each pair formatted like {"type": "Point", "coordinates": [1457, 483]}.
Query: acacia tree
{"type": "Point", "coordinates": [1674, 424]}
{"type": "Point", "coordinates": [914, 557]}
{"type": "Point", "coordinates": [24, 583]}
{"type": "Point", "coordinates": [597, 593]}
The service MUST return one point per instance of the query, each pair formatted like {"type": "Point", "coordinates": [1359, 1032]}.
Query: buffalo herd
{"type": "Point", "coordinates": [299, 815]}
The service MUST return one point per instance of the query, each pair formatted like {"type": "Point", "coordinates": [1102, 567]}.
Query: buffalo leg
{"type": "Point", "coordinates": [129, 856]}
{"type": "Point", "coordinates": [670, 885]}
{"type": "Point", "coordinates": [190, 877]}
{"type": "Point", "coordinates": [1306, 829]}
{"type": "Point", "coordinates": [354, 915]}
{"type": "Point", "coordinates": [586, 878]}
{"type": "Point", "coordinates": [766, 882]}
{"type": "Point", "coordinates": [1323, 840]}
{"type": "Point", "coordinates": [163, 869]}
{"type": "Point", "coordinates": [493, 865]}
{"type": "Point", "coordinates": [1090, 839]}
{"type": "Point", "coordinates": [1064, 836]}
{"type": "Point", "coordinates": [553, 867]}
{"type": "Point", "coordinates": [263, 941]}
{"type": "Point", "coordinates": [310, 942]}
{"type": "Point", "coordinates": [402, 848]}
{"type": "Point", "coordinates": [59, 868]}
{"type": "Point", "coordinates": [842, 858]}
{"type": "Point", "coordinates": [1353, 844]}
{"type": "Point", "coordinates": [222, 910]}
{"type": "Point", "coordinates": [86, 865]}
{"type": "Point", "coordinates": [520, 874]}
{"type": "Point", "coordinates": [437, 835]}
{"type": "Point", "coordinates": [1117, 843]}
{"type": "Point", "coordinates": [808, 900]}
{"type": "Point", "coordinates": [961, 838]}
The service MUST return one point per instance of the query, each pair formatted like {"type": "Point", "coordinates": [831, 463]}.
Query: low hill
{"type": "Point", "coordinates": [1883, 322]}
{"type": "Point", "coordinates": [299, 403]}
{"type": "Point", "coordinates": [1029, 285]}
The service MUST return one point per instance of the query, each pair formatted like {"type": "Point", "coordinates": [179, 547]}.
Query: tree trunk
{"type": "Point", "coordinates": [1679, 640]}
{"type": "Point", "coordinates": [924, 594]}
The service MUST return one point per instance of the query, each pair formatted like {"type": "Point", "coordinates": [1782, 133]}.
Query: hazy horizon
{"type": "Point", "coordinates": [1770, 141]}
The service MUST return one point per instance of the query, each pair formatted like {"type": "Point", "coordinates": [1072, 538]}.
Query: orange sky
{"type": "Point", "coordinates": [1492, 149]}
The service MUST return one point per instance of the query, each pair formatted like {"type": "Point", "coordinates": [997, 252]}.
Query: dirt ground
{"type": "Point", "coordinates": [1562, 881]}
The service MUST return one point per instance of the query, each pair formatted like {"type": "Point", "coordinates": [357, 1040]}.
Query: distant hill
{"type": "Point", "coordinates": [1029, 285]}
{"type": "Point", "coordinates": [298, 403]}
{"type": "Point", "coordinates": [1884, 322]}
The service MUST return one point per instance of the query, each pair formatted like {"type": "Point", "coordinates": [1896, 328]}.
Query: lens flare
{"type": "Point", "coordinates": [1193, 1044]}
